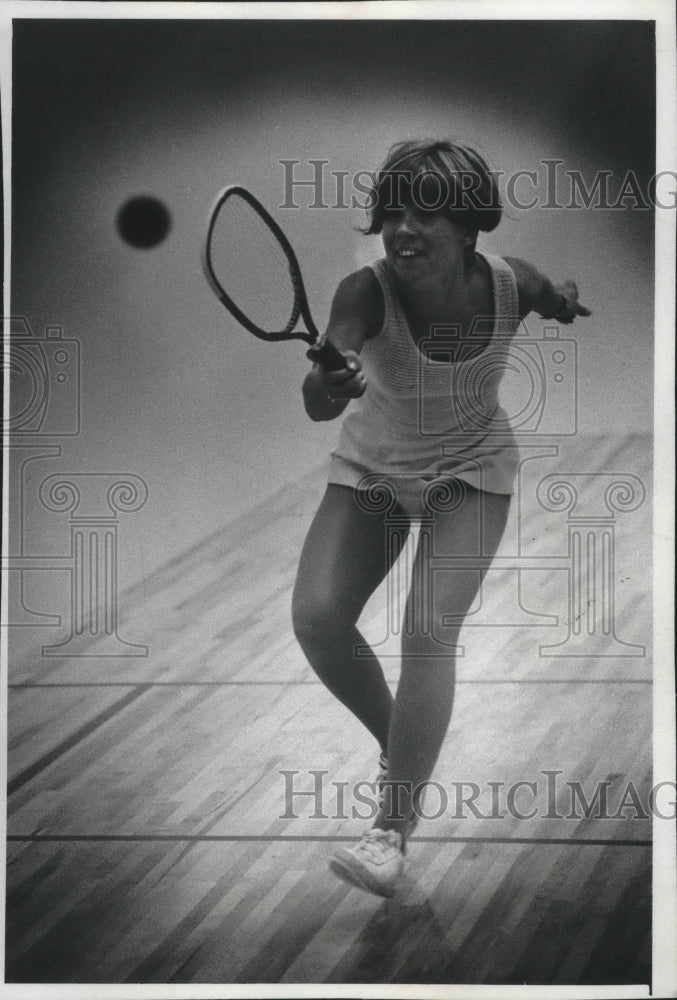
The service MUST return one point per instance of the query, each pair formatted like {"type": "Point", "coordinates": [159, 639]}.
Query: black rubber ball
{"type": "Point", "coordinates": [143, 221]}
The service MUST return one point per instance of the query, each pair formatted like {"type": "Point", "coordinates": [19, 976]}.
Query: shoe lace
{"type": "Point", "coordinates": [375, 843]}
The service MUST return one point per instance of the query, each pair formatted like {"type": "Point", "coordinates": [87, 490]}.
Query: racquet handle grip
{"type": "Point", "coordinates": [327, 356]}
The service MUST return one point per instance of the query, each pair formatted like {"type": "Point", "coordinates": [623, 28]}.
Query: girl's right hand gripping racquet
{"type": "Point", "coordinates": [252, 268]}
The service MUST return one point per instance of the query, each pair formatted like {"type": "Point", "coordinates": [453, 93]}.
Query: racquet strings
{"type": "Point", "coordinates": [252, 268]}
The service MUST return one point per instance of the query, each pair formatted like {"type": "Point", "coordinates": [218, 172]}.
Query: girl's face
{"type": "Point", "coordinates": [423, 247]}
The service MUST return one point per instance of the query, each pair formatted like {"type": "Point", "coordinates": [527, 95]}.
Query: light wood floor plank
{"type": "Point", "coordinates": [195, 746]}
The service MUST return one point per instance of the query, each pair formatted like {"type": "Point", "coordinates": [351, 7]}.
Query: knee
{"type": "Point", "coordinates": [431, 639]}
{"type": "Point", "coordinates": [318, 619]}
{"type": "Point", "coordinates": [433, 620]}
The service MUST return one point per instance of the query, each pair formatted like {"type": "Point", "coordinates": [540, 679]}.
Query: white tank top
{"type": "Point", "coordinates": [430, 410]}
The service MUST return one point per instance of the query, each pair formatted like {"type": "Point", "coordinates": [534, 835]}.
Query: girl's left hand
{"type": "Point", "coordinates": [573, 307]}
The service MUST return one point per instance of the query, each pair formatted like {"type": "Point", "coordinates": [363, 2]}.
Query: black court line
{"type": "Point", "coordinates": [66, 838]}
{"type": "Point", "coordinates": [67, 744]}
{"type": "Point", "coordinates": [30, 685]}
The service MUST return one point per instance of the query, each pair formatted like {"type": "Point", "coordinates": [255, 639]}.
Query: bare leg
{"type": "Point", "coordinates": [425, 693]}
{"type": "Point", "coordinates": [344, 559]}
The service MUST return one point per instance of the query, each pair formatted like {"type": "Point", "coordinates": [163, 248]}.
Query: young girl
{"type": "Point", "coordinates": [429, 201]}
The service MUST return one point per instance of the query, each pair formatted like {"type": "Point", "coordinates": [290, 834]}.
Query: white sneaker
{"type": "Point", "coordinates": [375, 864]}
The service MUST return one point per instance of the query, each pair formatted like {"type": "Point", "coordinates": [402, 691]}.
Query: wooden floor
{"type": "Point", "coordinates": [149, 834]}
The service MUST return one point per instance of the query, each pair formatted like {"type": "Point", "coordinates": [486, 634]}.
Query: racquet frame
{"type": "Point", "coordinates": [323, 352]}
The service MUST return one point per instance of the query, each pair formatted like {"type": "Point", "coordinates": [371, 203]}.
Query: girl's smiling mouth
{"type": "Point", "coordinates": [408, 251]}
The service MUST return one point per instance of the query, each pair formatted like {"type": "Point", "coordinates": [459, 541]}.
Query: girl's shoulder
{"type": "Point", "coordinates": [359, 295]}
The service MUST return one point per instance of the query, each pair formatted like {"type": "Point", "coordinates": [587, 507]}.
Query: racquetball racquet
{"type": "Point", "coordinates": [252, 268]}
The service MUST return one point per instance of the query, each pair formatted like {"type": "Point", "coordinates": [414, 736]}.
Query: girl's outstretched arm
{"type": "Point", "coordinates": [538, 294]}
